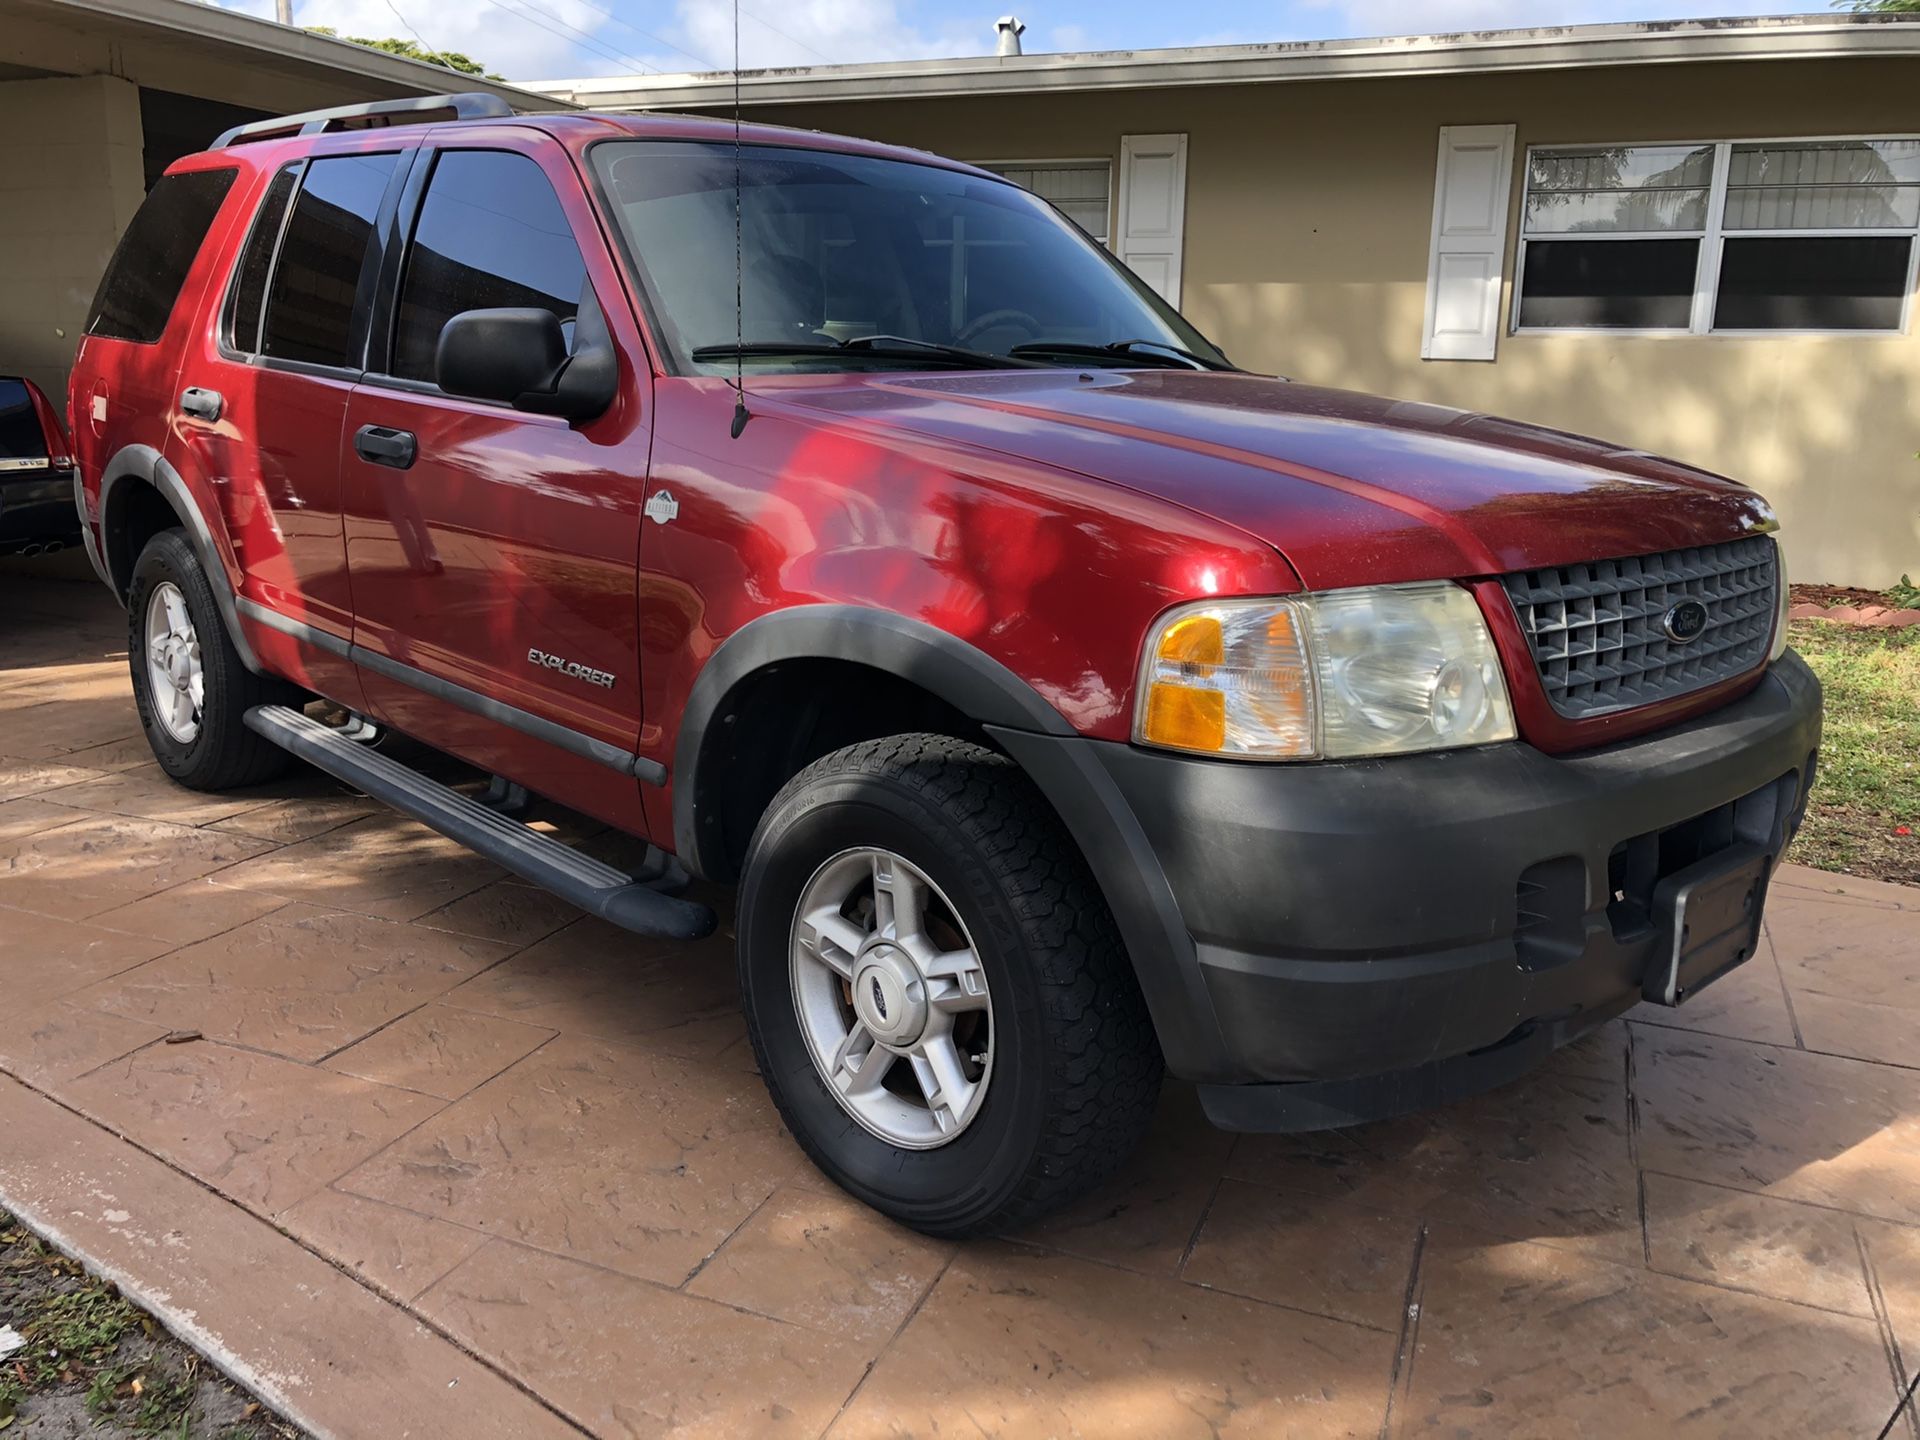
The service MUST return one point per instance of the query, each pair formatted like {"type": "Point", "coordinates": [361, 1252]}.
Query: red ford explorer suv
{"type": "Point", "coordinates": [1069, 706]}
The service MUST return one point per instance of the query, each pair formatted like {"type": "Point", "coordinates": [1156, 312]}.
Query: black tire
{"type": "Point", "coordinates": [1077, 1067]}
{"type": "Point", "coordinates": [224, 754]}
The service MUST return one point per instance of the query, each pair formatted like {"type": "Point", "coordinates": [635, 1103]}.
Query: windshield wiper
{"type": "Point", "coordinates": [886, 344]}
{"type": "Point", "coordinates": [882, 347]}
{"type": "Point", "coordinates": [1170, 356]}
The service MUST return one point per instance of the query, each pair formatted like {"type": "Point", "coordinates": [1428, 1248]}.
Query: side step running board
{"type": "Point", "coordinates": [598, 889]}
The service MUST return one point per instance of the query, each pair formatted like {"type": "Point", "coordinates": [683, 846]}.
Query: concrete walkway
{"type": "Point", "coordinates": [446, 1158]}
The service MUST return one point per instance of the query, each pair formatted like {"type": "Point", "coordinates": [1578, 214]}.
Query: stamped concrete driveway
{"type": "Point", "coordinates": [445, 1158]}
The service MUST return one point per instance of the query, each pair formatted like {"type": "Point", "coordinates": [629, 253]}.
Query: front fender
{"type": "Point", "coordinates": [1038, 738]}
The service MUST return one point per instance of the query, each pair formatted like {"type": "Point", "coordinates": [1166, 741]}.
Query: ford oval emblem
{"type": "Point", "coordinates": [879, 999]}
{"type": "Point", "coordinates": [1684, 621]}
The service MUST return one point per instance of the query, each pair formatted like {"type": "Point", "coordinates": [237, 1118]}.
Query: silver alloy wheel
{"type": "Point", "coordinates": [884, 972]}
{"type": "Point", "coordinates": [174, 674]}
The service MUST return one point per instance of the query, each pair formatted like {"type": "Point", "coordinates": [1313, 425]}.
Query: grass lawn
{"type": "Point", "coordinates": [93, 1365]}
{"type": "Point", "coordinates": [1868, 787]}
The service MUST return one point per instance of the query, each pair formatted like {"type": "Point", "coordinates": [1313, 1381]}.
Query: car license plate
{"type": "Point", "coordinates": [1709, 920]}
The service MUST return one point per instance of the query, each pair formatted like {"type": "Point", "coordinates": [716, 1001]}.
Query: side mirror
{"type": "Point", "coordinates": [520, 357]}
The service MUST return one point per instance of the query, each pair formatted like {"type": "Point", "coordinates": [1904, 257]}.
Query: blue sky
{"type": "Point", "coordinates": [554, 39]}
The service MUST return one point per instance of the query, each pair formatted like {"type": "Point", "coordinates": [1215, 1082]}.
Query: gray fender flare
{"type": "Point", "coordinates": [142, 463]}
{"type": "Point", "coordinates": [942, 664]}
{"type": "Point", "coordinates": [1054, 756]}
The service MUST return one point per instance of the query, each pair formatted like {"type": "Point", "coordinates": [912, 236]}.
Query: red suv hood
{"type": "Point", "coordinates": [1351, 488]}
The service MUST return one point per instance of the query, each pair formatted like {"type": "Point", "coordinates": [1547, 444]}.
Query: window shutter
{"type": "Point", "coordinates": [1153, 209]}
{"type": "Point", "coordinates": [1469, 242]}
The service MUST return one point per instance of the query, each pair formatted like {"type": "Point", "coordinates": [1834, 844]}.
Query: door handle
{"type": "Point", "coordinates": [202, 404]}
{"type": "Point", "coordinates": [380, 446]}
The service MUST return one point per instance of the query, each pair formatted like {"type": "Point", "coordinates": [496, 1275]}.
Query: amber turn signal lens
{"type": "Point", "coordinates": [1229, 680]}
{"type": "Point", "coordinates": [1186, 719]}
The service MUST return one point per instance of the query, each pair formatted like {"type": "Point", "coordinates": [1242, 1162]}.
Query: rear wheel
{"type": "Point", "coordinates": [936, 992]}
{"type": "Point", "coordinates": [191, 688]}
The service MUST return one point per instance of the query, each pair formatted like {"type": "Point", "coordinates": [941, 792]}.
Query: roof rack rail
{"type": "Point", "coordinates": [378, 114]}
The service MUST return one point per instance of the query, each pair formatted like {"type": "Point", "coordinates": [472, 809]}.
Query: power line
{"type": "Point", "coordinates": [784, 36]}
{"type": "Point", "coordinates": [605, 47]}
{"type": "Point", "coordinates": [586, 42]}
{"type": "Point", "coordinates": [408, 26]}
{"type": "Point", "coordinates": [657, 39]}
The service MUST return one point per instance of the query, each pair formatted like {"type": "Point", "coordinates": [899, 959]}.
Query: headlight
{"type": "Point", "coordinates": [1377, 671]}
{"type": "Point", "coordinates": [1782, 601]}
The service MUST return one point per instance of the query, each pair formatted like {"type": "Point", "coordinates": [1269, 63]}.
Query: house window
{"type": "Point", "coordinates": [1718, 237]}
{"type": "Point", "coordinates": [1081, 189]}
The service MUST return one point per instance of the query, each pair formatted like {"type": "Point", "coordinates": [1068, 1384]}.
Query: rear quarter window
{"type": "Point", "coordinates": [150, 264]}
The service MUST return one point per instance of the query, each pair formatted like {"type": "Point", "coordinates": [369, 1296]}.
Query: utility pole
{"type": "Point", "coordinates": [284, 11]}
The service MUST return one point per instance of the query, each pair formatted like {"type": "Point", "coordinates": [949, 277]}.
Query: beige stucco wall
{"type": "Point", "coordinates": [1308, 215]}
{"type": "Point", "coordinates": [71, 152]}
{"type": "Point", "coordinates": [70, 180]}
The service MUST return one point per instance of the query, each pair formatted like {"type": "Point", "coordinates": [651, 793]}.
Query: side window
{"type": "Point", "coordinates": [310, 305]}
{"type": "Point", "coordinates": [491, 233]}
{"type": "Point", "coordinates": [150, 264]}
{"type": "Point", "coordinates": [250, 285]}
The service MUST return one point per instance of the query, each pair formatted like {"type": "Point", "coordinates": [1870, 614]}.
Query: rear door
{"type": "Point", "coordinates": [493, 552]}
{"type": "Point", "coordinates": [263, 394]}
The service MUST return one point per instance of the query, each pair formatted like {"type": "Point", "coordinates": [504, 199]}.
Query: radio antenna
{"type": "Point", "coordinates": [740, 415]}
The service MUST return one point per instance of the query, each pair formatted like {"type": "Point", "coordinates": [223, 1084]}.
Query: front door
{"type": "Point", "coordinates": [492, 552]}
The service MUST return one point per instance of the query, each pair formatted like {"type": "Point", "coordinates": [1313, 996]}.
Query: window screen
{"type": "Point", "coordinates": [310, 307]}
{"type": "Point", "coordinates": [491, 234]}
{"type": "Point", "coordinates": [150, 264]}
{"type": "Point", "coordinates": [1644, 286]}
{"type": "Point", "coordinates": [250, 286]}
{"type": "Point", "coordinates": [1820, 282]}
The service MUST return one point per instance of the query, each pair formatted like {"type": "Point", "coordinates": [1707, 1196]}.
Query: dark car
{"type": "Point", "coordinates": [37, 510]}
{"type": "Point", "coordinates": [1070, 706]}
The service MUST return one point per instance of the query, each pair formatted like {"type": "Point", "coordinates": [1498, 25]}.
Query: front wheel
{"type": "Point", "coordinates": [936, 992]}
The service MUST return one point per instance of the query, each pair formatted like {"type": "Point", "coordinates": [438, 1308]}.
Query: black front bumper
{"type": "Point", "coordinates": [36, 510]}
{"type": "Point", "coordinates": [1364, 937]}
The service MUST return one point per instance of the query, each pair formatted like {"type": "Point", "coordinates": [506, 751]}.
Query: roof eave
{"type": "Point", "coordinates": [1486, 52]}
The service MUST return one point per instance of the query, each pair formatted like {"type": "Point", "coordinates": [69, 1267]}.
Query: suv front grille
{"type": "Point", "coordinates": [1597, 630]}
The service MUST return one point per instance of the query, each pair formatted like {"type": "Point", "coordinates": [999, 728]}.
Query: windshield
{"type": "Point", "coordinates": [855, 263]}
